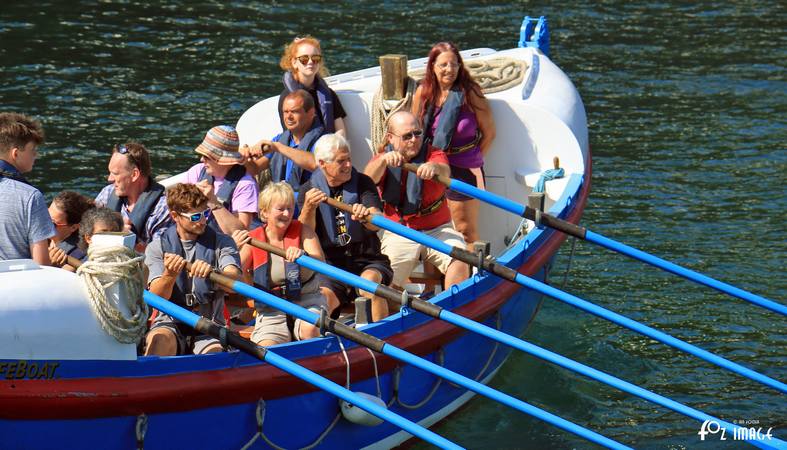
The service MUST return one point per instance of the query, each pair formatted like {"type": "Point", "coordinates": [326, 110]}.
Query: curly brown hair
{"type": "Point", "coordinates": [185, 197]}
{"type": "Point", "coordinates": [73, 204]}
{"type": "Point", "coordinates": [17, 130]}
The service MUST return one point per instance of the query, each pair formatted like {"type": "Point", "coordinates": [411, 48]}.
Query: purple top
{"type": "Point", "coordinates": [466, 126]}
{"type": "Point", "coordinates": [244, 198]}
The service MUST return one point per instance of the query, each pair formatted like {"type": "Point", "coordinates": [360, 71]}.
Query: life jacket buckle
{"type": "Point", "coordinates": [343, 239]}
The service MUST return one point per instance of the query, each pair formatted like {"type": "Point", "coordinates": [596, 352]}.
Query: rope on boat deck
{"type": "Point", "coordinates": [105, 268]}
{"type": "Point", "coordinates": [380, 114]}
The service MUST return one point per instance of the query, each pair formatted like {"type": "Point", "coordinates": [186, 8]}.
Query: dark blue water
{"type": "Point", "coordinates": [687, 106]}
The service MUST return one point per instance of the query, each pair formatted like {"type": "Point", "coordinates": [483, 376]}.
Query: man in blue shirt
{"type": "Point", "coordinates": [290, 155]}
{"type": "Point", "coordinates": [25, 225]}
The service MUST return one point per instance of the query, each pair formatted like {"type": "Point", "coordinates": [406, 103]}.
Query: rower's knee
{"type": "Point", "coordinates": [161, 342]}
{"type": "Point", "coordinates": [306, 331]}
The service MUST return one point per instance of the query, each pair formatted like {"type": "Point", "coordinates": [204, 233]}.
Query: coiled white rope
{"type": "Point", "coordinates": [380, 113]}
{"type": "Point", "coordinates": [105, 268]}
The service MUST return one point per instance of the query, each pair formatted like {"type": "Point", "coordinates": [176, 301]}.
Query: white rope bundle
{"type": "Point", "coordinates": [116, 265]}
{"type": "Point", "coordinates": [380, 113]}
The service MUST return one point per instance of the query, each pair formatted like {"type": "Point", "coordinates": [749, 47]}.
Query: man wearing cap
{"type": "Point", "coordinates": [221, 176]}
{"type": "Point", "coordinates": [290, 154]}
{"type": "Point", "coordinates": [25, 225]}
{"type": "Point", "coordinates": [134, 193]}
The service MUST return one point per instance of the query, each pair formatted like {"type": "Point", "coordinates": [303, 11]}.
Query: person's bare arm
{"type": "Point", "coordinates": [162, 286]}
{"type": "Point", "coordinates": [483, 114]}
{"type": "Point", "coordinates": [304, 160]}
{"type": "Point", "coordinates": [39, 252]}
{"type": "Point", "coordinates": [311, 204]}
{"type": "Point", "coordinates": [311, 243]}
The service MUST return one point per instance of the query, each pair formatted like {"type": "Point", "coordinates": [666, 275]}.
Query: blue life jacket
{"type": "Point", "coordinates": [283, 168]}
{"type": "Point", "coordinates": [448, 116]}
{"type": "Point", "coordinates": [392, 190]}
{"type": "Point", "coordinates": [328, 213]}
{"type": "Point", "coordinates": [261, 264]}
{"type": "Point", "coordinates": [324, 98]}
{"type": "Point", "coordinates": [69, 245]}
{"type": "Point", "coordinates": [144, 207]}
{"type": "Point", "coordinates": [205, 250]}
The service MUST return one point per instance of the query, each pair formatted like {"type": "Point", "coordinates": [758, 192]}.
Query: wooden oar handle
{"type": "Point", "coordinates": [267, 247]}
{"type": "Point", "coordinates": [73, 262]}
{"type": "Point", "coordinates": [216, 277]}
{"type": "Point", "coordinates": [339, 205]}
{"type": "Point", "coordinates": [411, 167]}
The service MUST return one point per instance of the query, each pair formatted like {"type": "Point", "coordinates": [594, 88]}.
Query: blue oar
{"type": "Point", "coordinates": [490, 265]}
{"type": "Point", "coordinates": [380, 346]}
{"type": "Point", "coordinates": [209, 328]}
{"type": "Point", "coordinates": [205, 326]}
{"type": "Point", "coordinates": [583, 233]}
{"type": "Point", "coordinates": [438, 312]}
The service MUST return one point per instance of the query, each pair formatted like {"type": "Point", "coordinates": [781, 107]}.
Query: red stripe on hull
{"type": "Point", "coordinates": [109, 397]}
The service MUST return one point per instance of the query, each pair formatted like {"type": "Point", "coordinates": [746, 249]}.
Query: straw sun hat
{"type": "Point", "coordinates": [221, 145]}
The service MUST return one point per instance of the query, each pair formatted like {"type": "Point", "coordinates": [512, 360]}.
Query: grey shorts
{"type": "Point", "coordinates": [272, 325]}
{"type": "Point", "coordinates": [188, 340]}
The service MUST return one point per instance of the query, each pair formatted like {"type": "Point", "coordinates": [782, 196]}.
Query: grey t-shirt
{"type": "Point", "coordinates": [226, 255]}
{"type": "Point", "coordinates": [24, 219]}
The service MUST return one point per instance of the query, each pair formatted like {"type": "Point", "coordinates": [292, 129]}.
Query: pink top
{"type": "Point", "coordinates": [244, 198]}
{"type": "Point", "coordinates": [466, 126]}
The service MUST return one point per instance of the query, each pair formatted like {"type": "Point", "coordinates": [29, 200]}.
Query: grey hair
{"type": "Point", "coordinates": [326, 146]}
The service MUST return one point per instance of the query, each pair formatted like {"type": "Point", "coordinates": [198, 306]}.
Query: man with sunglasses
{"type": "Point", "coordinates": [25, 225]}
{"type": "Point", "coordinates": [349, 242]}
{"type": "Point", "coordinates": [415, 201]}
{"type": "Point", "coordinates": [190, 240]}
{"type": "Point", "coordinates": [134, 193]}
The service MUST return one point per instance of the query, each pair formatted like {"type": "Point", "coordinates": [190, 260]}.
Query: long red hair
{"type": "Point", "coordinates": [430, 87]}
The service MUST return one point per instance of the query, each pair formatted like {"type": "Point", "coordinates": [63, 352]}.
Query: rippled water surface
{"type": "Point", "coordinates": [687, 106]}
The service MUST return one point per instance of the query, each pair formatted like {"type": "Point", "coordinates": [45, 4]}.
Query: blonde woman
{"type": "Point", "coordinates": [304, 68]}
{"type": "Point", "coordinates": [279, 276]}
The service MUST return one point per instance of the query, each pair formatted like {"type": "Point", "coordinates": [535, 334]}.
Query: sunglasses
{"type": "Point", "coordinates": [304, 59]}
{"type": "Point", "coordinates": [123, 150]}
{"type": "Point", "coordinates": [411, 135]}
{"type": "Point", "coordinates": [196, 217]}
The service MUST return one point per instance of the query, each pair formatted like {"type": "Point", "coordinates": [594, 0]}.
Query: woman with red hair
{"type": "Point", "coordinates": [457, 119]}
{"type": "Point", "coordinates": [304, 68]}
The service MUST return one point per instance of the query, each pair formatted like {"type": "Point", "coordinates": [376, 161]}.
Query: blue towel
{"type": "Point", "coordinates": [549, 174]}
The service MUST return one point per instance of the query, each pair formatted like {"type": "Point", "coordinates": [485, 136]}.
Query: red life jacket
{"type": "Point", "coordinates": [262, 268]}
